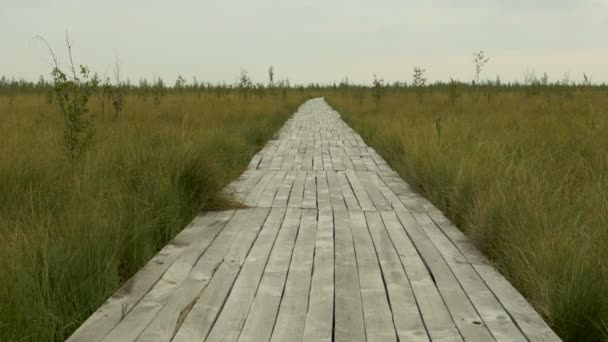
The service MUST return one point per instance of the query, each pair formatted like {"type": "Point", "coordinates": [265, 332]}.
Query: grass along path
{"type": "Point", "coordinates": [69, 238]}
{"type": "Point", "coordinates": [526, 177]}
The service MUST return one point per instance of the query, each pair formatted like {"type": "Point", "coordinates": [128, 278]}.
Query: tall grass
{"type": "Point", "coordinates": [70, 236]}
{"type": "Point", "coordinates": [525, 176]}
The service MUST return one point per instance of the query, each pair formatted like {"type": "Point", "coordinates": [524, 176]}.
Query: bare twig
{"type": "Point", "coordinates": [48, 46]}
{"type": "Point", "coordinates": [67, 43]}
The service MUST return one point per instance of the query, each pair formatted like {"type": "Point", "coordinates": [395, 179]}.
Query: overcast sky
{"type": "Point", "coordinates": [312, 40]}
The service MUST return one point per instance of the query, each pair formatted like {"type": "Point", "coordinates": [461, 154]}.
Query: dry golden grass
{"type": "Point", "coordinates": [69, 238]}
{"type": "Point", "coordinates": [526, 177]}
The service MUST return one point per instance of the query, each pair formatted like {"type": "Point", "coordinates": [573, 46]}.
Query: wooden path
{"type": "Point", "coordinates": [333, 247]}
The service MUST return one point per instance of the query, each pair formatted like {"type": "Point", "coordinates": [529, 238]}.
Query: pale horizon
{"type": "Point", "coordinates": [309, 42]}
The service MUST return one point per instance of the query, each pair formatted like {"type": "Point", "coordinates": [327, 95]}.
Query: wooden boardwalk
{"type": "Point", "coordinates": [333, 247]}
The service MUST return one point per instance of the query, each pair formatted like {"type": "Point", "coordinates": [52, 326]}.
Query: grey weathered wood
{"type": "Point", "coordinates": [294, 304]}
{"type": "Point", "coordinates": [282, 196]}
{"type": "Point", "coordinates": [376, 310]}
{"type": "Point", "coordinates": [270, 191]}
{"type": "Point", "coordinates": [370, 164]}
{"type": "Point", "coordinates": [298, 161]}
{"type": "Point", "coordinates": [364, 201]}
{"type": "Point", "coordinates": [323, 198]}
{"type": "Point", "coordinates": [310, 191]}
{"type": "Point", "coordinates": [180, 271]}
{"type": "Point", "coordinates": [435, 314]}
{"type": "Point", "coordinates": [406, 316]}
{"type": "Point", "coordinates": [347, 192]}
{"type": "Point", "coordinates": [317, 160]}
{"type": "Point", "coordinates": [319, 319]}
{"type": "Point", "coordinates": [462, 310]}
{"type": "Point", "coordinates": [254, 195]}
{"type": "Point", "coordinates": [398, 186]}
{"type": "Point", "coordinates": [347, 162]}
{"type": "Point", "coordinates": [297, 190]}
{"type": "Point", "coordinates": [307, 162]}
{"type": "Point", "coordinates": [372, 190]}
{"type": "Point", "coordinates": [327, 163]}
{"type": "Point", "coordinates": [528, 320]}
{"type": "Point", "coordinates": [489, 308]}
{"type": "Point", "coordinates": [242, 189]}
{"type": "Point", "coordinates": [230, 321]}
{"type": "Point", "coordinates": [265, 306]}
{"type": "Point", "coordinates": [335, 192]}
{"type": "Point", "coordinates": [358, 162]}
{"type": "Point", "coordinates": [412, 204]}
{"type": "Point", "coordinates": [387, 192]}
{"type": "Point", "coordinates": [276, 162]}
{"type": "Point", "coordinates": [336, 159]}
{"type": "Point", "coordinates": [101, 322]}
{"type": "Point", "coordinates": [265, 161]}
{"type": "Point", "coordinates": [202, 307]}
{"type": "Point", "coordinates": [288, 162]}
{"type": "Point", "coordinates": [349, 325]}
{"type": "Point", "coordinates": [255, 161]}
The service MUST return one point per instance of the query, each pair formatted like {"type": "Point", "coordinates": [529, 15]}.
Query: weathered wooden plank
{"type": "Point", "coordinates": [406, 315]}
{"type": "Point", "coordinates": [307, 162]}
{"type": "Point", "coordinates": [489, 308]}
{"type": "Point", "coordinates": [201, 308]}
{"type": "Point", "coordinates": [412, 204]}
{"type": "Point", "coordinates": [369, 162]}
{"type": "Point", "coordinates": [298, 161]}
{"type": "Point", "coordinates": [462, 310]}
{"type": "Point", "coordinates": [319, 320]}
{"type": "Point", "coordinates": [242, 189]}
{"type": "Point", "coordinates": [358, 162]}
{"type": "Point", "coordinates": [310, 191]}
{"type": "Point", "coordinates": [263, 312]}
{"type": "Point", "coordinates": [380, 162]}
{"type": "Point", "coordinates": [528, 320]}
{"type": "Point", "coordinates": [327, 163]}
{"type": "Point", "coordinates": [335, 192]}
{"type": "Point", "coordinates": [459, 239]}
{"type": "Point", "coordinates": [232, 317]}
{"type": "Point", "coordinates": [157, 299]}
{"type": "Point", "coordinates": [435, 314]}
{"type": "Point", "coordinates": [398, 186]}
{"type": "Point", "coordinates": [336, 158]}
{"type": "Point", "coordinates": [254, 195]}
{"type": "Point", "coordinates": [113, 311]}
{"type": "Point", "coordinates": [349, 324]}
{"type": "Point", "coordinates": [347, 192]}
{"type": "Point", "coordinates": [317, 160]}
{"type": "Point", "coordinates": [372, 190]}
{"type": "Point", "coordinates": [297, 191]}
{"type": "Point", "coordinates": [255, 161]}
{"type": "Point", "coordinates": [265, 161]}
{"type": "Point", "coordinates": [294, 305]}
{"type": "Point", "coordinates": [388, 194]}
{"type": "Point", "coordinates": [270, 191]}
{"type": "Point", "coordinates": [323, 199]}
{"type": "Point", "coordinates": [346, 161]}
{"type": "Point", "coordinates": [288, 162]}
{"type": "Point", "coordinates": [376, 309]}
{"type": "Point", "coordinates": [282, 196]}
{"type": "Point", "coordinates": [364, 201]}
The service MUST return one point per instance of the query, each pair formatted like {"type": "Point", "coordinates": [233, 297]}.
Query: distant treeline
{"type": "Point", "coordinates": [12, 85]}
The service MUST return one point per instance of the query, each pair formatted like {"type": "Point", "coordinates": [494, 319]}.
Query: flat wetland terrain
{"type": "Point", "coordinates": [70, 235]}
{"type": "Point", "coordinates": [523, 171]}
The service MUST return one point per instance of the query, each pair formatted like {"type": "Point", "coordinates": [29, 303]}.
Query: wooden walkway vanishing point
{"type": "Point", "coordinates": [334, 246]}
